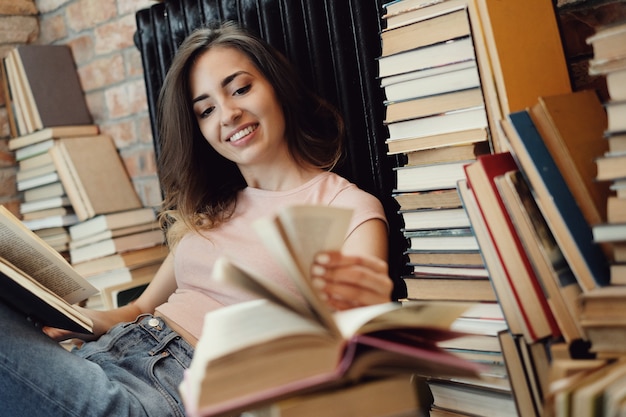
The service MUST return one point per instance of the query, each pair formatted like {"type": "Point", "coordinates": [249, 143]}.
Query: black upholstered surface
{"type": "Point", "coordinates": [333, 44]}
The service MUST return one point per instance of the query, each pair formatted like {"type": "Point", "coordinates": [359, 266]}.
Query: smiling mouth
{"type": "Point", "coordinates": [242, 133]}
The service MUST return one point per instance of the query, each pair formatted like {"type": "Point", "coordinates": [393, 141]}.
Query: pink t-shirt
{"type": "Point", "coordinates": [195, 254]}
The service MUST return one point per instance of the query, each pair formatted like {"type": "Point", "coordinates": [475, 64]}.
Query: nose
{"type": "Point", "coordinates": [230, 113]}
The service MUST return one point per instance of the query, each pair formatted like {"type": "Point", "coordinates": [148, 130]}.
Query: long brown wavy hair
{"type": "Point", "coordinates": [201, 186]}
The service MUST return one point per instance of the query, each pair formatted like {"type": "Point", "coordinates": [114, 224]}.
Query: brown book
{"type": "Point", "coordinates": [450, 289]}
{"type": "Point", "coordinates": [434, 141]}
{"type": "Point", "coordinates": [445, 198]}
{"type": "Point", "coordinates": [572, 126]}
{"type": "Point", "coordinates": [463, 152]}
{"type": "Point", "coordinates": [50, 77]}
{"type": "Point", "coordinates": [94, 176]}
{"type": "Point", "coordinates": [392, 396]}
{"type": "Point", "coordinates": [425, 32]}
{"type": "Point", "coordinates": [446, 258]}
{"type": "Point", "coordinates": [512, 80]}
{"type": "Point", "coordinates": [425, 106]}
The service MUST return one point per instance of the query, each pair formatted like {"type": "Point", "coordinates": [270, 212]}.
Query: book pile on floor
{"type": "Point", "coordinates": [609, 46]}
{"type": "Point", "coordinates": [437, 121]}
{"type": "Point", "coordinates": [435, 127]}
{"type": "Point", "coordinates": [118, 252]}
{"type": "Point", "coordinates": [71, 175]}
{"type": "Point", "coordinates": [595, 386]}
{"type": "Point", "coordinates": [445, 101]}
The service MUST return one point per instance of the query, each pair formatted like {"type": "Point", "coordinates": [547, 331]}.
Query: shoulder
{"type": "Point", "coordinates": [347, 194]}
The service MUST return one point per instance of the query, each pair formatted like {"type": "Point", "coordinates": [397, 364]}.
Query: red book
{"type": "Point", "coordinates": [522, 281]}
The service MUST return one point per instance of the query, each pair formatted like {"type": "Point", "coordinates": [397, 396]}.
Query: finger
{"type": "Point", "coordinates": [334, 259]}
{"type": "Point", "coordinates": [356, 276]}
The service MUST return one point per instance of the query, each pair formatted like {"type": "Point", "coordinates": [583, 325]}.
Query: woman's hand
{"type": "Point", "coordinates": [348, 281]}
{"type": "Point", "coordinates": [102, 320]}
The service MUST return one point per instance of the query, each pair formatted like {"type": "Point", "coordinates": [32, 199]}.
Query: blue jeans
{"type": "Point", "coordinates": [133, 370]}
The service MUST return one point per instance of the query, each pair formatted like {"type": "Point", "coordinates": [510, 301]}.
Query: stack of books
{"type": "Point", "coordinates": [46, 208]}
{"type": "Point", "coordinates": [117, 251]}
{"type": "Point", "coordinates": [437, 123]}
{"type": "Point", "coordinates": [609, 46]}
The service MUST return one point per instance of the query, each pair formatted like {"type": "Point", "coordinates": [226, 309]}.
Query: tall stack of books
{"type": "Point", "coordinates": [46, 208]}
{"type": "Point", "coordinates": [609, 46]}
{"type": "Point", "coordinates": [596, 386]}
{"type": "Point", "coordinates": [447, 91]}
{"type": "Point", "coordinates": [437, 123]}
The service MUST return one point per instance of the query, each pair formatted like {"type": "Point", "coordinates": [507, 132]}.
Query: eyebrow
{"type": "Point", "coordinates": [223, 84]}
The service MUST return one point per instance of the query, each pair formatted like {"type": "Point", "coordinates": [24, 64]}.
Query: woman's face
{"type": "Point", "coordinates": [236, 107]}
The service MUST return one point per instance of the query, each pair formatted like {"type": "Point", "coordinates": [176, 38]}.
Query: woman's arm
{"type": "Point", "coordinates": [161, 287]}
{"type": "Point", "coordinates": [359, 274]}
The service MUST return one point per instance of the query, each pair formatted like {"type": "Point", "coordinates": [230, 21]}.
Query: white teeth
{"type": "Point", "coordinates": [242, 133]}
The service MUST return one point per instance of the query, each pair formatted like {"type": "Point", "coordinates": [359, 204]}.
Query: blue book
{"type": "Point", "coordinates": [554, 198]}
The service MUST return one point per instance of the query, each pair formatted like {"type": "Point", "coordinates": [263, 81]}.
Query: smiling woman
{"type": "Point", "coordinates": [242, 137]}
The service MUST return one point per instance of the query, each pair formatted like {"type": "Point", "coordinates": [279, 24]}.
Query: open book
{"type": "Point", "coordinates": [37, 280]}
{"type": "Point", "coordinates": [276, 346]}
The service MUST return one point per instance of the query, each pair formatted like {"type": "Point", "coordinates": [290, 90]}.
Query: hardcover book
{"type": "Point", "coordinates": [287, 346]}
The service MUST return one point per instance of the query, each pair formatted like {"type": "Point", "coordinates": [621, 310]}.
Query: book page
{"type": "Point", "coordinates": [252, 323]}
{"type": "Point", "coordinates": [226, 271]}
{"type": "Point", "coordinates": [66, 312]}
{"type": "Point", "coordinates": [295, 236]}
{"type": "Point", "coordinates": [35, 258]}
{"type": "Point", "coordinates": [377, 317]}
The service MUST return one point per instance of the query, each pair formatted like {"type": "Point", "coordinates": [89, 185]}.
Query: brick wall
{"type": "Point", "coordinates": [100, 33]}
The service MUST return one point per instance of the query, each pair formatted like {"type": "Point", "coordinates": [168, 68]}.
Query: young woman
{"type": "Point", "coordinates": [241, 138]}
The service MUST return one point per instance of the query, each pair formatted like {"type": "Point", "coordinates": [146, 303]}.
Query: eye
{"type": "Point", "coordinates": [206, 113]}
{"type": "Point", "coordinates": [243, 90]}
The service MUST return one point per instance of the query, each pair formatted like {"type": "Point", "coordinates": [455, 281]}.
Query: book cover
{"type": "Point", "coordinates": [572, 126]}
{"type": "Point", "coordinates": [291, 338]}
{"type": "Point", "coordinates": [80, 164]}
{"type": "Point", "coordinates": [511, 308]}
{"type": "Point", "coordinates": [562, 289]}
{"type": "Point", "coordinates": [51, 78]}
{"type": "Point", "coordinates": [112, 221]}
{"type": "Point", "coordinates": [556, 202]}
{"type": "Point", "coordinates": [425, 32]}
{"type": "Point", "coordinates": [37, 280]}
{"type": "Point", "coordinates": [436, 141]}
{"type": "Point", "coordinates": [52, 132]}
{"type": "Point", "coordinates": [518, 269]}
